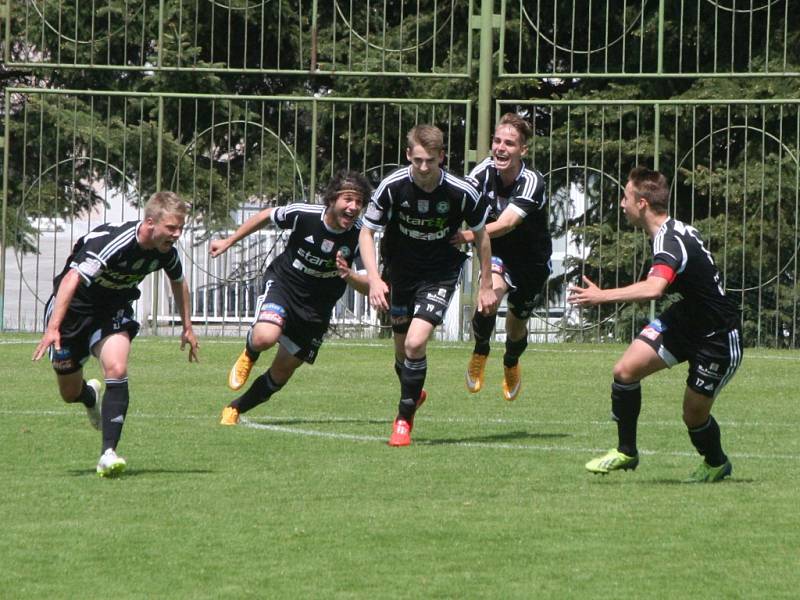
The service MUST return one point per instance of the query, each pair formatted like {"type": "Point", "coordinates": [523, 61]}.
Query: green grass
{"type": "Point", "coordinates": [307, 501]}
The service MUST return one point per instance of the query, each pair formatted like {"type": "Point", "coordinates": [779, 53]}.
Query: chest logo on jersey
{"type": "Point", "coordinates": [153, 265]}
{"type": "Point", "coordinates": [345, 251]}
{"type": "Point", "coordinates": [442, 207]}
{"type": "Point", "coordinates": [136, 266]}
{"type": "Point", "coordinates": [326, 246]}
{"type": "Point", "coordinates": [423, 206]}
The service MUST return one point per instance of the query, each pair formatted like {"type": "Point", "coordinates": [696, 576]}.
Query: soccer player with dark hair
{"type": "Point", "coordinates": [701, 328]}
{"type": "Point", "coordinates": [521, 247]}
{"type": "Point", "coordinates": [302, 286]}
{"type": "Point", "coordinates": [90, 312]}
{"type": "Point", "coordinates": [419, 208]}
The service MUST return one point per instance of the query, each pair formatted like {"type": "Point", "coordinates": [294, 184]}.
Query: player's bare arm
{"type": "Point", "coordinates": [651, 288]}
{"type": "Point", "coordinates": [378, 290]}
{"type": "Point", "coordinates": [487, 300]}
{"type": "Point", "coordinates": [357, 281]}
{"type": "Point", "coordinates": [180, 291]}
{"type": "Point", "coordinates": [254, 223]}
{"type": "Point", "coordinates": [507, 222]}
{"type": "Point", "coordinates": [52, 335]}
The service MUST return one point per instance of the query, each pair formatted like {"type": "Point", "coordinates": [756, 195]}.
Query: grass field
{"type": "Point", "coordinates": [306, 500]}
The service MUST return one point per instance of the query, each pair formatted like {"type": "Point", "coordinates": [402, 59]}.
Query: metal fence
{"type": "Point", "coordinates": [238, 36]}
{"type": "Point", "coordinates": [73, 158]}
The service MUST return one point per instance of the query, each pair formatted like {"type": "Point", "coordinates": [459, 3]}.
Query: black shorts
{"type": "Point", "coordinates": [421, 297]}
{"type": "Point", "coordinates": [524, 284]}
{"type": "Point", "coordinates": [80, 333]}
{"type": "Point", "coordinates": [713, 359]}
{"type": "Point", "coordinates": [303, 327]}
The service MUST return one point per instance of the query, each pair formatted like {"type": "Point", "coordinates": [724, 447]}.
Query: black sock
{"type": "Point", "coordinates": [115, 407]}
{"type": "Point", "coordinates": [626, 403]}
{"type": "Point", "coordinates": [412, 379]}
{"type": "Point", "coordinates": [252, 353]}
{"type": "Point", "coordinates": [514, 349]}
{"type": "Point", "coordinates": [259, 392]}
{"type": "Point", "coordinates": [398, 368]}
{"type": "Point", "coordinates": [707, 440]}
{"type": "Point", "coordinates": [87, 396]}
{"type": "Point", "coordinates": [482, 327]}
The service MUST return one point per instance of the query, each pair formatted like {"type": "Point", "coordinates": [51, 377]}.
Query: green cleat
{"type": "Point", "coordinates": [613, 460]}
{"type": "Point", "coordinates": [705, 473]}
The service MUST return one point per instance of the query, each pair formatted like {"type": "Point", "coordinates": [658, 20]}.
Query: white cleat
{"type": "Point", "coordinates": [94, 412]}
{"type": "Point", "coordinates": [110, 465]}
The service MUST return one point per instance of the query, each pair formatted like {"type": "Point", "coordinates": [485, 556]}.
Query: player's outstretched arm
{"type": "Point", "coordinates": [651, 288]}
{"type": "Point", "coordinates": [52, 335]}
{"type": "Point", "coordinates": [180, 291]}
{"type": "Point", "coordinates": [487, 299]}
{"type": "Point", "coordinates": [378, 290]}
{"type": "Point", "coordinates": [357, 281]}
{"type": "Point", "coordinates": [254, 223]}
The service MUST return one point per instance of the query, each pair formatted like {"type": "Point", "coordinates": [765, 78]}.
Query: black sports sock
{"type": "Point", "coordinates": [412, 380]}
{"type": "Point", "coordinates": [482, 327]}
{"type": "Point", "coordinates": [115, 407]}
{"type": "Point", "coordinates": [626, 404]}
{"type": "Point", "coordinates": [259, 392]}
{"type": "Point", "coordinates": [252, 353]}
{"type": "Point", "coordinates": [707, 440]}
{"type": "Point", "coordinates": [398, 368]}
{"type": "Point", "coordinates": [514, 350]}
{"type": "Point", "coordinates": [87, 396]}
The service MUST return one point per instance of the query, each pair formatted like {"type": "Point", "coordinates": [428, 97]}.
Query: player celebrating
{"type": "Point", "coordinates": [90, 312]}
{"type": "Point", "coordinates": [701, 328]}
{"type": "Point", "coordinates": [420, 207]}
{"type": "Point", "coordinates": [521, 247]}
{"type": "Point", "coordinates": [303, 285]}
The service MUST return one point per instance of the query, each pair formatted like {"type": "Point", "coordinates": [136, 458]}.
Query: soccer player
{"type": "Point", "coordinates": [419, 208]}
{"type": "Point", "coordinates": [303, 285]}
{"type": "Point", "coordinates": [701, 328]}
{"type": "Point", "coordinates": [90, 312]}
{"type": "Point", "coordinates": [521, 247]}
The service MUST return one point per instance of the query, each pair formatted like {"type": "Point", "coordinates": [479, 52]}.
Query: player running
{"type": "Point", "coordinates": [701, 328]}
{"type": "Point", "coordinates": [521, 248]}
{"type": "Point", "coordinates": [419, 208]}
{"type": "Point", "coordinates": [90, 312]}
{"type": "Point", "coordinates": [302, 287]}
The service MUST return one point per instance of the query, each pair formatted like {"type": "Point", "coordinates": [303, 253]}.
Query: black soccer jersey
{"type": "Point", "coordinates": [680, 256]}
{"type": "Point", "coordinates": [112, 264]}
{"type": "Point", "coordinates": [418, 224]}
{"type": "Point", "coordinates": [308, 263]}
{"type": "Point", "coordinates": [529, 243]}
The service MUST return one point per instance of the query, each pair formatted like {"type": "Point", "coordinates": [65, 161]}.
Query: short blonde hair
{"type": "Point", "coordinates": [429, 137]}
{"type": "Point", "coordinates": [162, 203]}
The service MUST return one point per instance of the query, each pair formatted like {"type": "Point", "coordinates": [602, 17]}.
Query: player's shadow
{"type": "Point", "coordinates": [666, 481]}
{"type": "Point", "coordinates": [508, 436]}
{"type": "Point", "coordinates": [337, 421]}
{"type": "Point", "coordinates": [138, 472]}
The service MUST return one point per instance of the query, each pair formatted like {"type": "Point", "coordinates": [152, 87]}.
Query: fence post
{"type": "Point", "coordinates": [159, 160]}
{"type": "Point", "coordinates": [5, 141]}
{"type": "Point", "coordinates": [485, 79]}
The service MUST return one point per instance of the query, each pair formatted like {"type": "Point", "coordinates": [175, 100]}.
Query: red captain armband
{"type": "Point", "coordinates": [662, 271]}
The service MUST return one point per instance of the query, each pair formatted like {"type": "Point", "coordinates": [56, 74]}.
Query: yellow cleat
{"type": "Point", "coordinates": [230, 416]}
{"type": "Point", "coordinates": [475, 370]}
{"type": "Point", "coordinates": [240, 371]}
{"type": "Point", "coordinates": [512, 381]}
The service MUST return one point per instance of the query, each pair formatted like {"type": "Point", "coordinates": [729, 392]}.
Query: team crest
{"type": "Point", "coordinates": [442, 207]}
{"type": "Point", "coordinates": [137, 265]}
{"type": "Point", "coordinates": [345, 251]}
{"type": "Point", "coordinates": [326, 246]}
{"type": "Point", "coordinates": [153, 265]}
{"type": "Point", "coordinates": [423, 206]}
